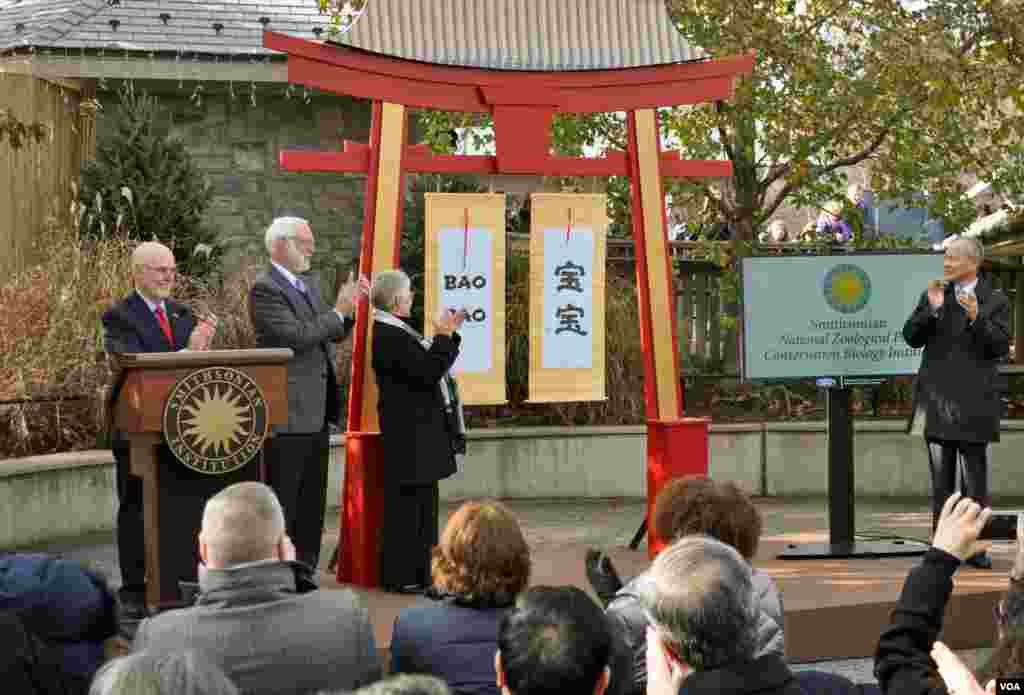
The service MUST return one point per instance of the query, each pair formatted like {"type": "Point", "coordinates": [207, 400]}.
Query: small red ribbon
{"type": "Point", "coordinates": [465, 240]}
{"type": "Point", "coordinates": [568, 228]}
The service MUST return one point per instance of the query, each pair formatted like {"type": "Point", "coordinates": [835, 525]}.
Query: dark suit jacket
{"type": "Point", "coordinates": [129, 326]}
{"type": "Point", "coordinates": [269, 635]}
{"type": "Point", "coordinates": [417, 444]}
{"type": "Point", "coordinates": [283, 318]}
{"type": "Point", "coordinates": [455, 643]}
{"type": "Point", "coordinates": [958, 382]}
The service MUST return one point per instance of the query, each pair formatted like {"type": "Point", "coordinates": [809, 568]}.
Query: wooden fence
{"type": "Point", "coordinates": [35, 181]}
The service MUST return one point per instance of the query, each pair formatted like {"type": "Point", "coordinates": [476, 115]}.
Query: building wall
{"type": "Point", "coordinates": [236, 141]}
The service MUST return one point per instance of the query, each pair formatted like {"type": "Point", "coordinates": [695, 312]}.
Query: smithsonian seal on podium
{"type": "Point", "coordinates": [215, 420]}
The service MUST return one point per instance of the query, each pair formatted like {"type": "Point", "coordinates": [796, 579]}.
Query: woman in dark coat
{"type": "Point", "coordinates": [480, 566]}
{"type": "Point", "coordinates": [420, 424]}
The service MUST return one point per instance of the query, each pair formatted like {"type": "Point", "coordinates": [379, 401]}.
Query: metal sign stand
{"type": "Point", "coordinates": [841, 520]}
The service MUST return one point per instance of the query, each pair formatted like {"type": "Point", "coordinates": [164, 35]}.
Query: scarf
{"type": "Point", "coordinates": [447, 385]}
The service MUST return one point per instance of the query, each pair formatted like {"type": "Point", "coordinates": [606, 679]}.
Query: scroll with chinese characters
{"type": "Point", "coordinates": [567, 297]}
{"type": "Point", "coordinates": [464, 268]}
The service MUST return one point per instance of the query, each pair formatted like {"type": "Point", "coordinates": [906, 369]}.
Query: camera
{"type": "Point", "coordinates": [1001, 526]}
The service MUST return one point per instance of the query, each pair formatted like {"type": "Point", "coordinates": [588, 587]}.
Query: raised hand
{"type": "Point", "coordinates": [970, 304]}
{"type": "Point", "coordinates": [936, 294]}
{"type": "Point", "coordinates": [960, 523]}
{"type": "Point", "coordinates": [202, 335]}
{"type": "Point", "coordinates": [1018, 561]}
{"type": "Point", "coordinates": [449, 321]}
{"type": "Point", "coordinates": [958, 678]}
{"type": "Point", "coordinates": [348, 294]}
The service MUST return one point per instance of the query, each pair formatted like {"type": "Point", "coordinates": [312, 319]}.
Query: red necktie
{"type": "Point", "coordinates": [162, 318]}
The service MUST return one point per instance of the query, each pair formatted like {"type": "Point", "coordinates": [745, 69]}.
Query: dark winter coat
{"type": "Point", "coordinates": [456, 643]}
{"type": "Point", "coordinates": [414, 428]}
{"type": "Point", "coordinates": [903, 663]}
{"type": "Point", "coordinates": [56, 615]}
{"type": "Point", "coordinates": [958, 382]}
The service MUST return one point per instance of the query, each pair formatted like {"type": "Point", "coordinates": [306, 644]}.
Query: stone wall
{"type": "Point", "coordinates": [235, 136]}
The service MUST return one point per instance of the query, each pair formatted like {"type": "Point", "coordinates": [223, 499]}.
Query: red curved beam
{"type": "Point", "coordinates": [358, 73]}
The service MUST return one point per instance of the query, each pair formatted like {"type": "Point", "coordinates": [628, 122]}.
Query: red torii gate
{"type": "Point", "coordinates": [522, 104]}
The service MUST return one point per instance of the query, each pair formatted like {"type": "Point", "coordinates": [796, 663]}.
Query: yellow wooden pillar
{"type": "Point", "coordinates": [386, 226]}
{"type": "Point", "coordinates": [658, 288]}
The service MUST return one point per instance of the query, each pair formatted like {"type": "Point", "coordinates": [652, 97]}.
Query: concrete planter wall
{"type": "Point", "coordinates": [48, 497]}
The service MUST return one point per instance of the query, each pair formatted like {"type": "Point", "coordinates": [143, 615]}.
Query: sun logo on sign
{"type": "Point", "coordinates": [847, 288]}
{"type": "Point", "coordinates": [216, 422]}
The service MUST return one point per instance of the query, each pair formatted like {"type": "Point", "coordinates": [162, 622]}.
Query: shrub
{"type": "Point", "coordinates": [145, 186]}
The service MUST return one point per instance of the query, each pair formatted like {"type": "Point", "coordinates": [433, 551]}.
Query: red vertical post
{"type": "Point", "coordinates": [357, 541]}
{"type": "Point", "coordinates": [676, 446]}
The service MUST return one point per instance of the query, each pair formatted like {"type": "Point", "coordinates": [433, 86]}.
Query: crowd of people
{"type": "Point", "coordinates": [701, 619]}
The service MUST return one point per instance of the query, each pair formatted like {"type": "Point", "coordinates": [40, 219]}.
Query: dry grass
{"type": "Point", "coordinates": [54, 374]}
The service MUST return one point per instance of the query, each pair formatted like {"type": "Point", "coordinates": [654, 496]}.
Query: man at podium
{"type": "Point", "coordinates": [288, 311]}
{"type": "Point", "coordinates": [147, 320]}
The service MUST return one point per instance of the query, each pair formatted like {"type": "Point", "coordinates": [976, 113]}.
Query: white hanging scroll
{"type": "Point", "coordinates": [465, 267]}
{"type": "Point", "coordinates": [567, 297]}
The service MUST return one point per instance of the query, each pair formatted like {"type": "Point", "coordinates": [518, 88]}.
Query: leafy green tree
{"type": "Point", "coordinates": [923, 91]}
{"type": "Point", "coordinates": [145, 186]}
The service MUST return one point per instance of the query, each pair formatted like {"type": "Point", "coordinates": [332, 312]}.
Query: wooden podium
{"type": "Point", "coordinates": [246, 389]}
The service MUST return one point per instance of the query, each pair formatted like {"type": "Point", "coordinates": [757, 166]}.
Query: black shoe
{"type": "Point", "coordinates": [602, 575]}
{"type": "Point", "coordinates": [131, 610]}
{"type": "Point", "coordinates": [980, 561]}
{"type": "Point", "coordinates": [132, 604]}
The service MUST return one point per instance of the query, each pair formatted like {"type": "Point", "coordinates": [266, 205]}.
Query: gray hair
{"type": "Point", "coordinates": [401, 684]}
{"type": "Point", "coordinates": [700, 599]}
{"type": "Point", "coordinates": [282, 228]}
{"type": "Point", "coordinates": [386, 288]}
{"type": "Point", "coordinates": [165, 673]}
{"type": "Point", "coordinates": [242, 523]}
{"type": "Point", "coordinates": [969, 246]}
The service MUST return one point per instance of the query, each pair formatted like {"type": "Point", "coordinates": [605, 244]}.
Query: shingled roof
{"type": "Point", "coordinates": [225, 27]}
{"type": "Point", "coordinates": [503, 34]}
{"type": "Point", "coordinates": [522, 34]}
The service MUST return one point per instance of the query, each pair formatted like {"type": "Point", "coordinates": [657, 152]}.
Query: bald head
{"type": "Point", "coordinates": [153, 270]}
{"type": "Point", "coordinates": [241, 523]}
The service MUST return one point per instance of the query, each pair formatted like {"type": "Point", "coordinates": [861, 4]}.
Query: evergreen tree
{"type": "Point", "coordinates": [145, 186]}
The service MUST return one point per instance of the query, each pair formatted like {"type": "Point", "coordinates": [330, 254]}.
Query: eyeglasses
{"type": "Point", "coordinates": [162, 269]}
{"type": "Point", "coordinates": [302, 243]}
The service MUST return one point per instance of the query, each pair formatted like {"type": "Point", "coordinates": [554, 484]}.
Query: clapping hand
{"type": "Point", "coordinates": [970, 304]}
{"type": "Point", "coordinates": [936, 294]}
{"type": "Point", "coordinates": [350, 293]}
{"type": "Point", "coordinates": [449, 321]}
{"type": "Point", "coordinates": [202, 334]}
{"type": "Point", "coordinates": [960, 523]}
